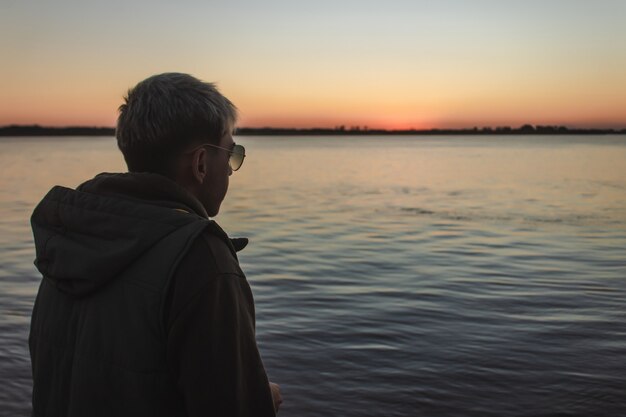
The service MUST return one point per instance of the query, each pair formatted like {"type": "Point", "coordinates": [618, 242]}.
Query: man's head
{"type": "Point", "coordinates": [167, 115]}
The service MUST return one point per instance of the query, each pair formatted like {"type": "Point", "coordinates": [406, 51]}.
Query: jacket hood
{"type": "Point", "coordinates": [88, 236]}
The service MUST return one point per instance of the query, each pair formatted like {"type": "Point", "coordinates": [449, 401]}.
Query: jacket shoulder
{"type": "Point", "coordinates": [222, 253]}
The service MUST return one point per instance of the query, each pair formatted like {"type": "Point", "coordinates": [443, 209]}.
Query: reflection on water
{"type": "Point", "coordinates": [395, 276]}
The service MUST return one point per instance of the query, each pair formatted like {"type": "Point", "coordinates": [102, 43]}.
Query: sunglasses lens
{"type": "Point", "coordinates": [236, 157]}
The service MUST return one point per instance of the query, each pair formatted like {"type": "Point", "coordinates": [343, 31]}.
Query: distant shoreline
{"type": "Point", "coordinates": [36, 130]}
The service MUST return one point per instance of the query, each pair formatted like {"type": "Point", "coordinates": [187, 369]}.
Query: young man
{"type": "Point", "coordinates": [143, 309]}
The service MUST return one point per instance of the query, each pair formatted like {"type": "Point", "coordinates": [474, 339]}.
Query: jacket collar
{"type": "Point", "coordinates": [147, 187]}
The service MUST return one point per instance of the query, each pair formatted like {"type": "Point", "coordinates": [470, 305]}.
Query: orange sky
{"type": "Point", "coordinates": [420, 64]}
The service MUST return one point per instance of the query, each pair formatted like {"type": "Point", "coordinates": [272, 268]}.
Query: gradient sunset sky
{"type": "Point", "coordinates": [384, 64]}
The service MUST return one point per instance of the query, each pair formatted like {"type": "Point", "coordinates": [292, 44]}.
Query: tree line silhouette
{"type": "Point", "coordinates": [527, 129]}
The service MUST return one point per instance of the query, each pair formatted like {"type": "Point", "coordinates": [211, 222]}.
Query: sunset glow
{"type": "Point", "coordinates": [420, 64]}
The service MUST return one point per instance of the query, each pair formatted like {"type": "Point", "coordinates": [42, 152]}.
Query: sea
{"type": "Point", "coordinates": [393, 275]}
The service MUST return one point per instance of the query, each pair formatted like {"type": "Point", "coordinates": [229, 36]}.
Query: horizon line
{"type": "Point", "coordinates": [349, 128]}
{"type": "Point", "coordinates": [526, 129]}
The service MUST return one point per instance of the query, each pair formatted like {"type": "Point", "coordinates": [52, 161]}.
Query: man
{"type": "Point", "coordinates": [143, 309]}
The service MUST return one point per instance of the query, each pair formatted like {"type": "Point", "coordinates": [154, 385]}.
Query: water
{"type": "Point", "coordinates": [394, 276]}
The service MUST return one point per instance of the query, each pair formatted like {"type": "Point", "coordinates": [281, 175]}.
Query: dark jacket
{"type": "Point", "coordinates": [143, 309]}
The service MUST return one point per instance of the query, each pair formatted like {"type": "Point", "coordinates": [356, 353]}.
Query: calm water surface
{"type": "Point", "coordinates": [394, 276]}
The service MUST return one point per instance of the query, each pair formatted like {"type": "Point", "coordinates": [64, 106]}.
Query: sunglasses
{"type": "Point", "coordinates": [237, 154]}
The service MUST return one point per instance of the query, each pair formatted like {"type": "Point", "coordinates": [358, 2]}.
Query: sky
{"type": "Point", "coordinates": [390, 64]}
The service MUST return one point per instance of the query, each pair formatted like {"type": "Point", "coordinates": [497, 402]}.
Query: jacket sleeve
{"type": "Point", "coordinates": [211, 348]}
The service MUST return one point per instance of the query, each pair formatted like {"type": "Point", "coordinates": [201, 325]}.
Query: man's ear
{"type": "Point", "coordinates": [199, 165]}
